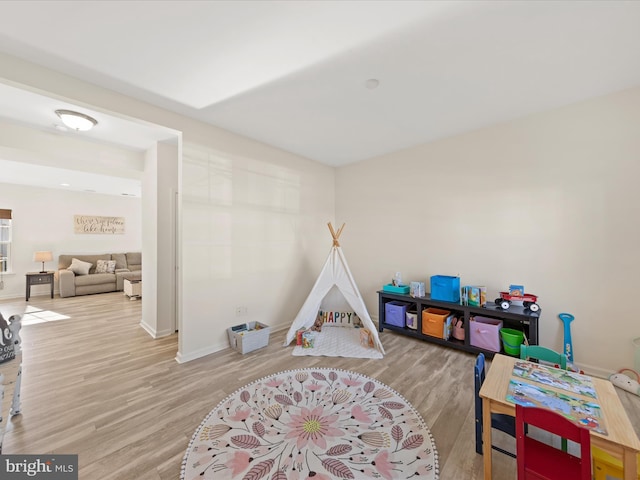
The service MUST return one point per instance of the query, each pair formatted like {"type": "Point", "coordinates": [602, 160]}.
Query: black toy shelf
{"type": "Point", "coordinates": [516, 317]}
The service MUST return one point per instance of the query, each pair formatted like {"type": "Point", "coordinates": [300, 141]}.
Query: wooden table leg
{"type": "Point", "coordinates": [630, 465]}
{"type": "Point", "coordinates": [487, 451]}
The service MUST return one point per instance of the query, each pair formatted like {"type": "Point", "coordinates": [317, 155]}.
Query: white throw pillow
{"type": "Point", "coordinates": [105, 266]}
{"type": "Point", "coordinates": [79, 267]}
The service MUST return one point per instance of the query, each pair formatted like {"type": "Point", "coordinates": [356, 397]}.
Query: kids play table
{"type": "Point", "coordinates": [620, 441]}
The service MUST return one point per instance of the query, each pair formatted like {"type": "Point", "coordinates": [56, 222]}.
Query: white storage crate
{"type": "Point", "coordinates": [412, 320]}
{"type": "Point", "coordinates": [246, 337]}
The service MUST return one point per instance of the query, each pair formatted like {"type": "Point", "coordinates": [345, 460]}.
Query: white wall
{"type": "Point", "coordinates": [254, 237]}
{"type": "Point", "coordinates": [43, 220]}
{"type": "Point", "coordinates": [549, 201]}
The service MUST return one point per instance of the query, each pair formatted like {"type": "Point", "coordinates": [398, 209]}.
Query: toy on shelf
{"type": "Point", "coordinates": [516, 294]}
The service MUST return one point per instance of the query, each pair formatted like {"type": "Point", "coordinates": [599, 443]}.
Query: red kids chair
{"type": "Point", "coordinates": [539, 461]}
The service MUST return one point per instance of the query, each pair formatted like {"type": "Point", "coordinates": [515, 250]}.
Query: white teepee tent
{"type": "Point", "coordinates": [335, 275]}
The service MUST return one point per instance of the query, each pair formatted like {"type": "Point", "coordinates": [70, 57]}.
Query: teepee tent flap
{"type": "Point", "coordinates": [335, 274]}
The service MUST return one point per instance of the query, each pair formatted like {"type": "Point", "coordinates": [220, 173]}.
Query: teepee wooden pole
{"type": "Point", "coordinates": [335, 235]}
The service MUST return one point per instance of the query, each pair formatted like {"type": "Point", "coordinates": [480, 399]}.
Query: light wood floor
{"type": "Point", "coordinates": [95, 384]}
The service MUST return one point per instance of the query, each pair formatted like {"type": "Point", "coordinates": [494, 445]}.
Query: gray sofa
{"type": "Point", "coordinates": [128, 265]}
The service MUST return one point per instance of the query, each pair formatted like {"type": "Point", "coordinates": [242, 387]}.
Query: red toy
{"type": "Point", "coordinates": [528, 301]}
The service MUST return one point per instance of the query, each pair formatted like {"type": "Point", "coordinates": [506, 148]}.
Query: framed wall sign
{"type": "Point", "coordinates": [98, 225]}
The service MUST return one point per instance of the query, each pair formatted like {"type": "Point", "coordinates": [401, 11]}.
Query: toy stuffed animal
{"type": "Point", "coordinates": [317, 325]}
{"type": "Point", "coordinates": [623, 381]}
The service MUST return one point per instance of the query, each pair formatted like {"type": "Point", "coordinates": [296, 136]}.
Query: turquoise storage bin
{"type": "Point", "coordinates": [445, 288]}
{"type": "Point", "coordinates": [395, 289]}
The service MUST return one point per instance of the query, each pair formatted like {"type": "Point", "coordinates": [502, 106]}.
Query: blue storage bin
{"type": "Point", "coordinates": [445, 288]}
{"type": "Point", "coordinates": [395, 313]}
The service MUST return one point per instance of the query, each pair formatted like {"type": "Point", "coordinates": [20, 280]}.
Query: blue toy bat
{"type": "Point", "coordinates": [567, 318]}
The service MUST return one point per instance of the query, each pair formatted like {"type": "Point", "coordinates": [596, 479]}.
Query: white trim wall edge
{"type": "Point", "coordinates": [153, 332]}
{"type": "Point", "coordinates": [184, 358]}
{"type": "Point", "coordinates": [14, 296]}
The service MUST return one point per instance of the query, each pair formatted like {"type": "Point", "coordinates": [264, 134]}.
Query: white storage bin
{"type": "Point", "coordinates": [247, 337]}
{"type": "Point", "coordinates": [412, 320]}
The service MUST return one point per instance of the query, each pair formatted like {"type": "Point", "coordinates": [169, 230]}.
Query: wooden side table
{"type": "Point", "coordinates": [38, 278]}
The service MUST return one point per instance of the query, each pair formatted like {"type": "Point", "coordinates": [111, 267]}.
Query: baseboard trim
{"type": "Point", "coordinates": [13, 296]}
{"type": "Point", "coordinates": [187, 357]}
{"type": "Point", "coordinates": [593, 371]}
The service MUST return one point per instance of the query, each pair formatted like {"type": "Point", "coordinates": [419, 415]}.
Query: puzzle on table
{"type": "Point", "coordinates": [584, 413]}
{"type": "Point", "coordinates": [553, 377]}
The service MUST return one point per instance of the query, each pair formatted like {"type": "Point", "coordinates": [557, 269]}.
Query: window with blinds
{"type": "Point", "coordinates": [5, 240]}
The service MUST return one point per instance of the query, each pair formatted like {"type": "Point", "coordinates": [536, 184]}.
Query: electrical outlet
{"type": "Point", "coordinates": [241, 311]}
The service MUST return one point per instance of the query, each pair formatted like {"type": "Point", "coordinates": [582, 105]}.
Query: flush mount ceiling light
{"type": "Point", "coordinates": [76, 120]}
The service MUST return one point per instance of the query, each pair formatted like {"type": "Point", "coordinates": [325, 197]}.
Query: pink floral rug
{"type": "Point", "coordinates": [315, 423]}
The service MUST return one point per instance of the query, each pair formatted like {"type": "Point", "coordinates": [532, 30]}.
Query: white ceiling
{"type": "Point", "coordinates": [292, 73]}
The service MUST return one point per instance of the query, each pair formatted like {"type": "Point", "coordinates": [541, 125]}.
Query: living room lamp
{"type": "Point", "coordinates": [42, 257]}
{"type": "Point", "coordinates": [76, 120]}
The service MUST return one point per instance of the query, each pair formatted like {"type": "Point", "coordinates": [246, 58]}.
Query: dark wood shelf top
{"type": "Point", "coordinates": [513, 311]}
